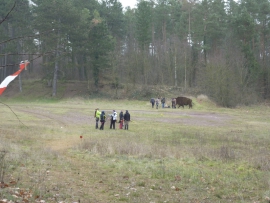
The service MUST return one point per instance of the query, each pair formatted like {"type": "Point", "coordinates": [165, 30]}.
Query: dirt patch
{"type": "Point", "coordinates": [187, 118]}
{"type": "Point", "coordinates": [67, 143]}
{"type": "Point", "coordinates": [174, 117]}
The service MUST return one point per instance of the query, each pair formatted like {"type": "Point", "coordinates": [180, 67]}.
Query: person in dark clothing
{"type": "Point", "coordinates": [126, 119]}
{"type": "Point", "coordinates": [113, 119]}
{"type": "Point", "coordinates": [102, 120]}
{"type": "Point", "coordinates": [121, 119]}
{"type": "Point", "coordinates": [152, 101]}
{"type": "Point", "coordinates": [163, 102]}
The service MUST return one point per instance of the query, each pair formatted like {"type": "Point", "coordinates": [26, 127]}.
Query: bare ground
{"type": "Point", "coordinates": [178, 117]}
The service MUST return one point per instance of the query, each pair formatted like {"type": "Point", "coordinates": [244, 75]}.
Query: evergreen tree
{"type": "Point", "coordinates": [100, 44]}
{"type": "Point", "coordinates": [14, 29]}
{"type": "Point", "coordinates": [130, 49]}
{"type": "Point", "coordinates": [143, 25]}
{"type": "Point", "coordinates": [245, 28]}
{"type": "Point", "coordinates": [264, 31]}
{"type": "Point", "coordinates": [59, 16]}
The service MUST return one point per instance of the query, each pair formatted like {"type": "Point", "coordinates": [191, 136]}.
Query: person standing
{"type": "Point", "coordinates": [126, 119]}
{"type": "Point", "coordinates": [163, 102]}
{"type": "Point", "coordinates": [157, 103]}
{"type": "Point", "coordinates": [97, 115]}
{"type": "Point", "coordinates": [173, 103]}
{"type": "Point", "coordinates": [113, 119]}
{"type": "Point", "coordinates": [152, 101]}
{"type": "Point", "coordinates": [102, 120]}
{"type": "Point", "coordinates": [121, 119]}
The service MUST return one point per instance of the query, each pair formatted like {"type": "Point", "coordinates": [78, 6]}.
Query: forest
{"type": "Point", "coordinates": [219, 47]}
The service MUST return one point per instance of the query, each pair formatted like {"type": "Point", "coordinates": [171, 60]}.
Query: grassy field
{"type": "Point", "coordinates": [204, 154]}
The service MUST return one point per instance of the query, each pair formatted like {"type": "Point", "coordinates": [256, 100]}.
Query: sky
{"type": "Point", "coordinates": [130, 3]}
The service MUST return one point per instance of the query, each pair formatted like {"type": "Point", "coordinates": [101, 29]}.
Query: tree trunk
{"type": "Point", "coordinates": [56, 67]}
{"type": "Point", "coordinates": [175, 67]}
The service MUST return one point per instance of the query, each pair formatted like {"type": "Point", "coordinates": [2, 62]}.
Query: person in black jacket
{"type": "Point", "coordinates": [126, 119]}
{"type": "Point", "coordinates": [152, 101]}
{"type": "Point", "coordinates": [102, 120]}
{"type": "Point", "coordinates": [163, 102]}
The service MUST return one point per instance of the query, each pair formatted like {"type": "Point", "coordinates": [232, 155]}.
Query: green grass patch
{"type": "Point", "coordinates": [204, 154]}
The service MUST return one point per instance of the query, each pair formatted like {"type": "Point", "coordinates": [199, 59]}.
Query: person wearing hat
{"type": "Point", "coordinates": [102, 120]}
{"type": "Point", "coordinates": [113, 119]}
{"type": "Point", "coordinates": [97, 116]}
{"type": "Point", "coordinates": [126, 119]}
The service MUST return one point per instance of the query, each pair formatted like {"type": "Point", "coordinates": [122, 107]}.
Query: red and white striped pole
{"type": "Point", "coordinates": [10, 78]}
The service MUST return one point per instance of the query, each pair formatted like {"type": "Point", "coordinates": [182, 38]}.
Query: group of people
{"type": "Point", "coordinates": [157, 101]}
{"type": "Point", "coordinates": [124, 119]}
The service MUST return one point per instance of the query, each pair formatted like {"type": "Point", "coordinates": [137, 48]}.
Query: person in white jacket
{"type": "Point", "coordinates": [113, 119]}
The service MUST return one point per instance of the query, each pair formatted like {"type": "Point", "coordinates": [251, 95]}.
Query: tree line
{"type": "Point", "coordinates": [220, 47]}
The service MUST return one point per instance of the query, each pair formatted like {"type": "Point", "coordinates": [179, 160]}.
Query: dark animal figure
{"type": "Point", "coordinates": [182, 101]}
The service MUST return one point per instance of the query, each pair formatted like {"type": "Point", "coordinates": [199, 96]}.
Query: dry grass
{"type": "Point", "coordinates": [168, 155]}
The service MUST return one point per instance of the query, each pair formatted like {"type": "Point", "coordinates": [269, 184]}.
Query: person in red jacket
{"type": "Point", "coordinates": [121, 119]}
